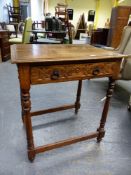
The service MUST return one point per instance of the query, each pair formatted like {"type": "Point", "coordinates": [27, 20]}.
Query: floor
{"type": "Point", "coordinates": [111, 157]}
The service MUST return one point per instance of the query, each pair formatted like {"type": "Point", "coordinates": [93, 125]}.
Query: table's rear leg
{"type": "Point", "coordinates": [77, 103]}
{"type": "Point", "coordinates": [105, 109]}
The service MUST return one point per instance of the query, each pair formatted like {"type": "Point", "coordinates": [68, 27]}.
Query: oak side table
{"type": "Point", "coordinates": [40, 64]}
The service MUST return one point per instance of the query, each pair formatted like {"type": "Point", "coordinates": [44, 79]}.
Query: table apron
{"type": "Point", "coordinates": [67, 72]}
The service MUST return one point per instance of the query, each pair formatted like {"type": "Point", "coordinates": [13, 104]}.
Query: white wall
{"type": "Point", "coordinates": [3, 10]}
{"type": "Point", "coordinates": [104, 12]}
{"type": "Point", "coordinates": [79, 7]}
{"type": "Point", "coordinates": [83, 6]}
{"type": "Point", "coordinates": [36, 10]}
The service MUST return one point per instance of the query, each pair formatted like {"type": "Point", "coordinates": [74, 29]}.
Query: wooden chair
{"type": "Point", "coordinates": [36, 26]}
{"type": "Point", "coordinates": [125, 74]}
{"type": "Point", "coordinates": [14, 14]}
{"type": "Point", "coordinates": [62, 13]}
{"type": "Point", "coordinates": [26, 34]}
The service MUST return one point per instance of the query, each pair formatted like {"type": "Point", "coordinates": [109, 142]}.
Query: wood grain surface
{"type": "Point", "coordinates": [35, 53]}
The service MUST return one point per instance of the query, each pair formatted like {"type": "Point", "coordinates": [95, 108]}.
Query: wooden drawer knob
{"type": "Point", "coordinates": [96, 71]}
{"type": "Point", "coordinates": [55, 75]}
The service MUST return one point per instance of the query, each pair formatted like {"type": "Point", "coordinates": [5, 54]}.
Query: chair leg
{"type": "Point", "coordinates": [129, 104]}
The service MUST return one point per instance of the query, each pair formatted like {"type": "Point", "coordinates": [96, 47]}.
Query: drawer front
{"type": "Point", "coordinates": [58, 73]}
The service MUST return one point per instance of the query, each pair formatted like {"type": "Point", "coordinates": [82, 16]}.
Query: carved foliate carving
{"type": "Point", "coordinates": [43, 74]}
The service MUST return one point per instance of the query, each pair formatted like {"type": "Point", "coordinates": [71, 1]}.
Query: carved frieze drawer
{"type": "Point", "coordinates": [57, 73]}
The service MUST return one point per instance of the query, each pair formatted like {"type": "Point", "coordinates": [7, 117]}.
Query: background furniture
{"type": "Point", "coordinates": [81, 27]}
{"type": "Point", "coordinates": [126, 67]}
{"type": "Point", "coordinates": [14, 14]}
{"type": "Point", "coordinates": [55, 36]}
{"type": "Point", "coordinates": [61, 12]}
{"type": "Point", "coordinates": [4, 45]}
{"type": "Point", "coordinates": [99, 36]}
{"type": "Point", "coordinates": [40, 65]}
{"type": "Point", "coordinates": [12, 30]}
{"type": "Point", "coordinates": [36, 25]}
{"type": "Point", "coordinates": [125, 74]}
{"type": "Point", "coordinates": [26, 34]}
{"type": "Point", "coordinates": [119, 19]}
{"type": "Point", "coordinates": [54, 31]}
{"type": "Point", "coordinates": [3, 26]}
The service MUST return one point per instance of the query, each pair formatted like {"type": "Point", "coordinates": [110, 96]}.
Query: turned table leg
{"type": "Point", "coordinates": [22, 110]}
{"type": "Point", "coordinates": [105, 109]}
{"type": "Point", "coordinates": [24, 78]}
{"type": "Point", "coordinates": [77, 103]}
{"type": "Point", "coordinates": [28, 124]}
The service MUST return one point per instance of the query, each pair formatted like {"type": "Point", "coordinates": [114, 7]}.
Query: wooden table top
{"type": "Point", "coordinates": [36, 53]}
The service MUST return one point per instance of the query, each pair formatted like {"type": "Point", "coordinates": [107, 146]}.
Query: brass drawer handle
{"type": "Point", "coordinates": [55, 75]}
{"type": "Point", "coordinates": [96, 71]}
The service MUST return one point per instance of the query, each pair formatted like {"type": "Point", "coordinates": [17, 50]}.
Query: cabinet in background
{"type": "Point", "coordinates": [99, 36]}
{"type": "Point", "coordinates": [119, 19]}
{"type": "Point", "coordinates": [4, 45]}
